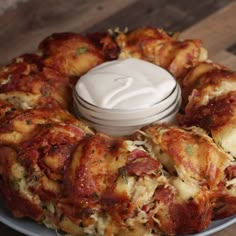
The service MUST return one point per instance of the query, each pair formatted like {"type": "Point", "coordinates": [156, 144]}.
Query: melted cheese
{"type": "Point", "coordinates": [144, 190]}
{"type": "Point", "coordinates": [223, 88]}
{"type": "Point", "coordinates": [185, 190]}
{"type": "Point", "coordinates": [18, 174]}
{"type": "Point", "coordinates": [226, 138]}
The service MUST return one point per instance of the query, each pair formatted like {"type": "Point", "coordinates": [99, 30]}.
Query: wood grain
{"type": "Point", "coordinates": [170, 15]}
{"type": "Point", "coordinates": [217, 33]}
{"type": "Point", "coordinates": [21, 31]}
{"type": "Point", "coordinates": [23, 28]}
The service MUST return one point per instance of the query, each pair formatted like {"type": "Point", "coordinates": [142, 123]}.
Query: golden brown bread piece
{"type": "Point", "coordinates": [190, 154]}
{"type": "Point", "coordinates": [209, 95]}
{"type": "Point", "coordinates": [218, 118]}
{"type": "Point", "coordinates": [193, 76]}
{"type": "Point", "coordinates": [156, 46]}
{"type": "Point", "coordinates": [34, 147]}
{"type": "Point", "coordinates": [196, 162]}
{"type": "Point", "coordinates": [214, 84]}
{"type": "Point", "coordinates": [226, 198]}
{"type": "Point", "coordinates": [19, 125]}
{"type": "Point", "coordinates": [161, 180]}
{"type": "Point", "coordinates": [27, 85]}
{"type": "Point", "coordinates": [69, 53]}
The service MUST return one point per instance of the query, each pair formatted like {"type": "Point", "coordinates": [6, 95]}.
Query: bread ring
{"type": "Point", "coordinates": [162, 179]}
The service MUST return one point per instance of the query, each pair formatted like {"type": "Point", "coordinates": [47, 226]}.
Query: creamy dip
{"type": "Point", "coordinates": [125, 84]}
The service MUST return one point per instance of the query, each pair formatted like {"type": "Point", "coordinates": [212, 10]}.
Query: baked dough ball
{"type": "Point", "coordinates": [191, 80]}
{"type": "Point", "coordinates": [209, 92]}
{"type": "Point", "coordinates": [156, 46]}
{"type": "Point", "coordinates": [26, 85]}
{"type": "Point", "coordinates": [69, 53]}
{"type": "Point", "coordinates": [35, 145]}
{"type": "Point", "coordinates": [196, 164]}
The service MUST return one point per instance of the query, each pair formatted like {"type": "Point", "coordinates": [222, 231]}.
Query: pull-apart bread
{"type": "Point", "coordinates": [162, 180]}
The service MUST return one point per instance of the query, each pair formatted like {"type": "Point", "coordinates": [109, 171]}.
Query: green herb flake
{"type": "Point", "coordinates": [198, 83]}
{"type": "Point", "coordinates": [123, 174]}
{"type": "Point", "coordinates": [218, 208]}
{"type": "Point", "coordinates": [15, 184]}
{"type": "Point", "coordinates": [45, 91]}
{"type": "Point", "coordinates": [7, 113]}
{"type": "Point", "coordinates": [189, 149]}
{"type": "Point", "coordinates": [81, 50]}
{"type": "Point", "coordinates": [81, 224]}
{"type": "Point", "coordinates": [95, 195]}
{"type": "Point", "coordinates": [28, 122]}
{"type": "Point", "coordinates": [59, 118]}
{"type": "Point", "coordinates": [48, 126]}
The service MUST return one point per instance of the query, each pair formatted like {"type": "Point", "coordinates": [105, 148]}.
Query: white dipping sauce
{"type": "Point", "coordinates": [125, 84]}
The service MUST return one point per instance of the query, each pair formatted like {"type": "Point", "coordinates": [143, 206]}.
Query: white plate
{"type": "Point", "coordinates": [29, 227]}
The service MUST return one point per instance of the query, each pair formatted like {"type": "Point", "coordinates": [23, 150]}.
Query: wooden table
{"type": "Point", "coordinates": [213, 21]}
